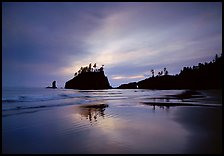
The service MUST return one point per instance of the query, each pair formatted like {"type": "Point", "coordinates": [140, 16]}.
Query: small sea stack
{"type": "Point", "coordinates": [53, 85]}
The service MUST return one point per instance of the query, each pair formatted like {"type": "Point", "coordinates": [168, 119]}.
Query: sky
{"type": "Point", "coordinates": [42, 42]}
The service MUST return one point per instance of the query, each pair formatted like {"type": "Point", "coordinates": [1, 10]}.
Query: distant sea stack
{"type": "Point", "coordinates": [89, 78]}
{"type": "Point", "coordinates": [53, 85]}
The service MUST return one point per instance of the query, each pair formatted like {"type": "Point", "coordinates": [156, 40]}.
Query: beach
{"type": "Point", "coordinates": [112, 121]}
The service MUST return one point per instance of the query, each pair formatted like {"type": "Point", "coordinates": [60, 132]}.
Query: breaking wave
{"type": "Point", "coordinates": [38, 98]}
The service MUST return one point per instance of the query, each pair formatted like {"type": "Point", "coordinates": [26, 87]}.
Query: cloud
{"type": "Point", "coordinates": [128, 77]}
{"type": "Point", "coordinates": [128, 38]}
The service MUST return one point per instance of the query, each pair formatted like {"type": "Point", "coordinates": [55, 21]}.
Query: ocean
{"type": "Point", "coordinates": [41, 120]}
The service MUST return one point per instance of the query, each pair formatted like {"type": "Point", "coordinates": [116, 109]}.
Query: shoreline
{"type": "Point", "coordinates": [119, 123]}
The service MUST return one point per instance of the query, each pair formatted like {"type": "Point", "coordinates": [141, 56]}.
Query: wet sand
{"type": "Point", "coordinates": [103, 129]}
{"type": "Point", "coordinates": [116, 125]}
{"type": "Point", "coordinates": [205, 127]}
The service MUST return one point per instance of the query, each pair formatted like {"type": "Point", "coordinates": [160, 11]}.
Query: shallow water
{"type": "Point", "coordinates": [110, 121]}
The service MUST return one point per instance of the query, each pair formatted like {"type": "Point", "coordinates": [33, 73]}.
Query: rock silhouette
{"type": "Point", "coordinates": [132, 85]}
{"type": "Point", "coordinates": [53, 85]}
{"type": "Point", "coordinates": [88, 78]}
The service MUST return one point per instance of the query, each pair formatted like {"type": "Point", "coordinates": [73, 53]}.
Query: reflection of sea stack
{"type": "Point", "coordinates": [92, 111]}
{"type": "Point", "coordinates": [89, 78]}
{"type": "Point", "coordinates": [53, 85]}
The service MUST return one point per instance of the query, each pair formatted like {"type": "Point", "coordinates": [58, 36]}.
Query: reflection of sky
{"type": "Point", "coordinates": [50, 41]}
{"type": "Point", "coordinates": [125, 126]}
{"type": "Point", "coordinates": [134, 130]}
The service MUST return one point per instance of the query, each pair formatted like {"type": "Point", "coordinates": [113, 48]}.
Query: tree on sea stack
{"type": "Point", "coordinates": [94, 66]}
{"type": "Point", "coordinates": [88, 78]}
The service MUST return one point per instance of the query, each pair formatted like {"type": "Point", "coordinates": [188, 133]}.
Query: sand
{"type": "Point", "coordinates": [114, 128]}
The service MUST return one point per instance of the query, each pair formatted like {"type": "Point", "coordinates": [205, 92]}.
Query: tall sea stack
{"type": "Point", "coordinates": [89, 79]}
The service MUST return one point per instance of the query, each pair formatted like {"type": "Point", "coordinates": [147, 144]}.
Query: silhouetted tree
{"type": "Point", "coordinates": [161, 73]}
{"type": "Point", "coordinates": [90, 67]}
{"type": "Point", "coordinates": [81, 69]}
{"type": "Point", "coordinates": [101, 68]}
{"type": "Point", "coordinates": [94, 66]}
{"type": "Point", "coordinates": [216, 57]}
{"type": "Point", "coordinates": [75, 74]}
{"type": "Point", "coordinates": [200, 65]}
{"type": "Point", "coordinates": [195, 67]}
{"type": "Point", "coordinates": [152, 71]}
{"type": "Point", "coordinates": [165, 71]}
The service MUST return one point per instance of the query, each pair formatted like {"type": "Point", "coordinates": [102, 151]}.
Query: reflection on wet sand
{"type": "Point", "coordinates": [161, 107]}
{"type": "Point", "coordinates": [205, 127]}
{"type": "Point", "coordinates": [128, 126]}
{"type": "Point", "coordinates": [92, 111]}
{"type": "Point", "coordinates": [168, 105]}
{"type": "Point", "coordinates": [183, 99]}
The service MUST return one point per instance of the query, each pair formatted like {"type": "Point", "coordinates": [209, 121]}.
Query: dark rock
{"type": "Point", "coordinates": [53, 85]}
{"type": "Point", "coordinates": [132, 85]}
{"type": "Point", "coordinates": [89, 80]}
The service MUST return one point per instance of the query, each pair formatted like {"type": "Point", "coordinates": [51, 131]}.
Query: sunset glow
{"type": "Point", "coordinates": [128, 38]}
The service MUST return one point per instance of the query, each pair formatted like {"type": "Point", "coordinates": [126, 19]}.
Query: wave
{"type": "Point", "coordinates": [54, 97]}
{"type": "Point", "coordinates": [42, 100]}
{"type": "Point", "coordinates": [34, 107]}
{"type": "Point", "coordinates": [38, 98]}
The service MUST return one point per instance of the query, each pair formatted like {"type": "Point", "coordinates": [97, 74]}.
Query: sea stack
{"type": "Point", "coordinates": [53, 85]}
{"type": "Point", "coordinates": [89, 78]}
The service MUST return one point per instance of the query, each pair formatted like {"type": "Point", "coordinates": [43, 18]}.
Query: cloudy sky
{"type": "Point", "coordinates": [42, 42]}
